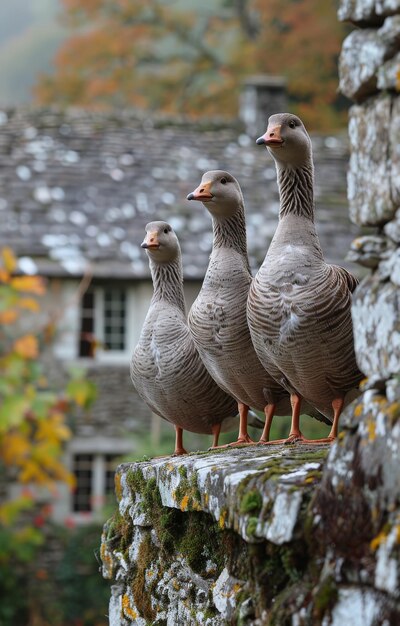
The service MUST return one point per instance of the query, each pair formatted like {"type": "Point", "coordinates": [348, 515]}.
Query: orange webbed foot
{"type": "Point", "coordinates": [179, 452]}
{"type": "Point", "coordinates": [241, 441]}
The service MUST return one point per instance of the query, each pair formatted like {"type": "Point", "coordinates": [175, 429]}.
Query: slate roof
{"type": "Point", "coordinates": [79, 187]}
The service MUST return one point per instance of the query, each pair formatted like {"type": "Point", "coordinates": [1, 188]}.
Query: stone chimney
{"type": "Point", "coordinates": [261, 96]}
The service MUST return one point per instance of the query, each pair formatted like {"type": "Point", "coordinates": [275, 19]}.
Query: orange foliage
{"type": "Point", "coordinates": [166, 57]}
{"type": "Point", "coordinates": [27, 347]}
{"type": "Point", "coordinates": [28, 284]}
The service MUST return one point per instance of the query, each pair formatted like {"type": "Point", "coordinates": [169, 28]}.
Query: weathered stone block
{"type": "Point", "coordinates": [394, 151]}
{"type": "Point", "coordinates": [369, 250]}
{"type": "Point", "coordinates": [389, 267]}
{"type": "Point", "coordinates": [376, 319]}
{"type": "Point", "coordinates": [373, 178]}
{"type": "Point", "coordinates": [387, 74]}
{"type": "Point", "coordinates": [392, 229]}
{"type": "Point", "coordinates": [363, 52]}
{"type": "Point", "coordinates": [367, 11]}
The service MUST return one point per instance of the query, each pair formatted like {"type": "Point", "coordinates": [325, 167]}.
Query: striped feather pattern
{"type": "Point", "coordinates": [299, 307]}
{"type": "Point", "coordinates": [166, 368]}
{"type": "Point", "coordinates": [218, 320]}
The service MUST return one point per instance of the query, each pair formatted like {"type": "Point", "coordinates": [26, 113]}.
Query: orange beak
{"type": "Point", "coordinates": [272, 137]}
{"type": "Point", "coordinates": [151, 241]}
{"type": "Point", "coordinates": [202, 192]}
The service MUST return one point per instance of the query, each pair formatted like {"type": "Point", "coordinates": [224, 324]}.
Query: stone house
{"type": "Point", "coordinates": [76, 190]}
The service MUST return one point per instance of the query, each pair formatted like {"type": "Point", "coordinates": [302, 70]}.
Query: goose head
{"type": "Point", "coordinates": [161, 243]}
{"type": "Point", "coordinates": [287, 140]}
{"type": "Point", "coordinates": [220, 193]}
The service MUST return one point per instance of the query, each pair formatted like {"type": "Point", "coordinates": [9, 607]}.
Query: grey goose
{"type": "Point", "coordinates": [217, 318]}
{"type": "Point", "coordinates": [299, 306]}
{"type": "Point", "coordinates": [166, 368]}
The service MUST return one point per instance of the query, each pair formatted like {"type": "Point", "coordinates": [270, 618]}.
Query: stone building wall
{"type": "Point", "coordinates": [293, 537]}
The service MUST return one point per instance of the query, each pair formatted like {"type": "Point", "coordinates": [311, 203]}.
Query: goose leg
{"type": "Point", "coordinates": [337, 405]}
{"type": "Point", "coordinates": [269, 411]}
{"type": "Point", "coordinates": [295, 432]}
{"type": "Point", "coordinates": [243, 436]}
{"type": "Point", "coordinates": [216, 429]}
{"type": "Point", "coordinates": [179, 449]}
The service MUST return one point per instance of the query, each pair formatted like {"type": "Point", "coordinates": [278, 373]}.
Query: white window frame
{"type": "Point", "coordinates": [109, 356]}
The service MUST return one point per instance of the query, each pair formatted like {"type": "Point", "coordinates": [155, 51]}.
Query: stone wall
{"type": "Point", "coordinates": [287, 536]}
{"type": "Point", "coordinates": [370, 75]}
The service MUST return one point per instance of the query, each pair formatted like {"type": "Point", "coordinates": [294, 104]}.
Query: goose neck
{"type": "Point", "coordinates": [168, 283]}
{"type": "Point", "coordinates": [296, 191]}
{"type": "Point", "coordinates": [230, 232]}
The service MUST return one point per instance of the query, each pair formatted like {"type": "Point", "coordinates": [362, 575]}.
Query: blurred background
{"type": "Point", "coordinates": [110, 112]}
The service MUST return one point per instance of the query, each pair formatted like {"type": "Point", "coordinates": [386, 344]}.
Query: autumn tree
{"type": "Point", "coordinates": [152, 54]}
{"type": "Point", "coordinates": [190, 58]}
{"type": "Point", "coordinates": [302, 39]}
{"type": "Point", "coordinates": [33, 423]}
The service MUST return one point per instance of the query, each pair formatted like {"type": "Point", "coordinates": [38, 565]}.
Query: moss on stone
{"type": "Point", "coordinates": [146, 555]}
{"type": "Point", "coordinates": [182, 471]}
{"type": "Point", "coordinates": [151, 497]}
{"type": "Point", "coordinates": [251, 526]}
{"type": "Point", "coordinates": [135, 480]}
{"type": "Point", "coordinates": [187, 494]}
{"type": "Point", "coordinates": [273, 473]}
{"type": "Point", "coordinates": [251, 502]}
{"type": "Point", "coordinates": [289, 601]}
{"type": "Point", "coordinates": [120, 532]}
{"type": "Point", "coordinates": [242, 487]}
{"type": "Point", "coordinates": [210, 613]}
{"type": "Point", "coordinates": [325, 597]}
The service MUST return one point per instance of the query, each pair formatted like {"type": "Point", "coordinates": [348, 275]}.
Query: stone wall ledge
{"type": "Point", "coordinates": [187, 529]}
{"type": "Point", "coordinates": [258, 535]}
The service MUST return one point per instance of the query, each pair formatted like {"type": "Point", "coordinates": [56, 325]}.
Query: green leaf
{"type": "Point", "coordinates": [83, 392]}
{"type": "Point", "coordinates": [12, 412]}
{"type": "Point", "coordinates": [41, 404]}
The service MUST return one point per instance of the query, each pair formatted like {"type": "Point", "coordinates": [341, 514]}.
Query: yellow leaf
{"type": "Point", "coordinates": [33, 473]}
{"type": "Point", "coordinates": [15, 448]}
{"type": "Point", "coordinates": [9, 260]}
{"type": "Point", "coordinates": [30, 284]}
{"type": "Point", "coordinates": [53, 429]}
{"type": "Point", "coordinates": [29, 303]}
{"type": "Point", "coordinates": [27, 347]}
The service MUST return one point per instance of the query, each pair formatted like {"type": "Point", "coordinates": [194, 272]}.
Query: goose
{"type": "Point", "coordinates": [166, 368]}
{"type": "Point", "coordinates": [217, 318]}
{"type": "Point", "coordinates": [299, 306]}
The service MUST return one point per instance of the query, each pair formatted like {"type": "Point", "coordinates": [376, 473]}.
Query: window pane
{"type": "Point", "coordinates": [83, 470]}
{"type": "Point", "coordinates": [86, 340]}
{"type": "Point", "coordinates": [114, 318]}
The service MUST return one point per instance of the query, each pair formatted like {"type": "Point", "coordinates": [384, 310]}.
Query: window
{"type": "Point", "coordinates": [114, 319]}
{"type": "Point", "coordinates": [83, 470]}
{"type": "Point", "coordinates": [103, 321]}
{"type": "Point", "coordinates": [94, 475]}
{"type": "Point", "coordinates": [86, 344]}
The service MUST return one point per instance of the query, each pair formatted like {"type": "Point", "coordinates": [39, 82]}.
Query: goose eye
{"type": "Point", "coordinates": [223, 181]}
{"type": "Point", "coordinates": [292, 124]}
{"type": "Point", "coordinates": [166, 230]}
